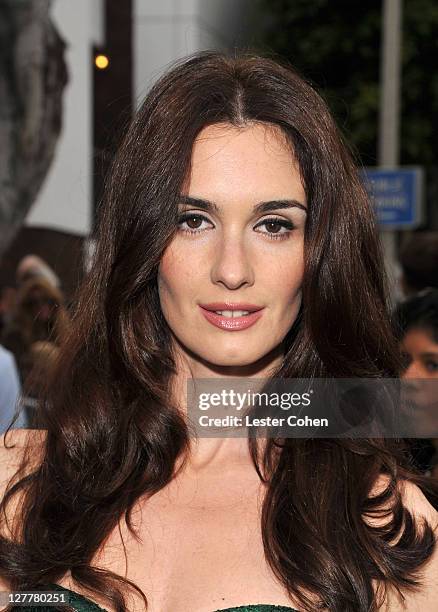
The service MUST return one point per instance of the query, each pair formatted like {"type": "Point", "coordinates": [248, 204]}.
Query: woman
{"type": "Point", "coordinates": [232, 191]}
{"type": "Point", "coordinates": [416, 324]}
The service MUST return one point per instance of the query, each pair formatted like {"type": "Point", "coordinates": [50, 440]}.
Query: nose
{"type": "Point", "coordinates": [233, 265]}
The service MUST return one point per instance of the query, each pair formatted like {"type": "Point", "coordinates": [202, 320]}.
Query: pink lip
{"type": "Point", "coordinates": [231, 306]}
{"type": "Point", "coordinates": [234, 324]}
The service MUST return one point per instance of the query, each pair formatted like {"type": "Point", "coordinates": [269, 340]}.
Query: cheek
{"type": "Point", "coordinates": [176, 277]}
{"type": "Point", "coordinates": [284, 277]}
{"type": "Point", "coordinates": [169, 272]}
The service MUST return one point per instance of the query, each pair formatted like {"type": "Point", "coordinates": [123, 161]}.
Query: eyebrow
{"type": "Point", "coordinates": [261, 207]}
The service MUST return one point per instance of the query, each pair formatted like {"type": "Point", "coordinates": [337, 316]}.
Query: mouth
{"type": "Point", "coordinates": [231, 317]}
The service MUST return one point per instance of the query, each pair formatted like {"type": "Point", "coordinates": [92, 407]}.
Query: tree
{"type": "Point", "coordinates": [336, 45]}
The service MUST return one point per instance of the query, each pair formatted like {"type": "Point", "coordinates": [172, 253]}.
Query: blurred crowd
{"type": "Point", "coordinates": [416, 325]}
{"type": "Point", "coordinates": [34, 321]}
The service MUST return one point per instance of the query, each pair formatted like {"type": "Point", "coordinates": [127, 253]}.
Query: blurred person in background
{"type": "Point", "coordinates": [39, 316]}
{"type": "Point", "coordinates": [416, 324]}
{"type": "Point", "coordinates": [10, 392]}
{"type": "Point", "coordinates": [419, 262]}
{"type": "Point", "coordinates": [7, 304]}
{"type": "Point", "coordinates": [32, 266]}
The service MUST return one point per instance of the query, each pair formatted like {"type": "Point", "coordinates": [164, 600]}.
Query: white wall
{"type": "Point", "coordinates": [64, 201]}
{"type": "Point", "coordinates": [165, 30]}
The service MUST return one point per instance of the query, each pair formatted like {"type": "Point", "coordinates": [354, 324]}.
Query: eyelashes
{"type": "Point", "coordinates": [288, 226]}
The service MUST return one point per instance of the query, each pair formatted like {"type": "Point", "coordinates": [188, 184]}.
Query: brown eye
{"type": "Point", "coordinates": [273, 227]}
{"type": "Point", "coordinates": [276, 228]}
{"type": "Point", "coordinates": [193, 222]}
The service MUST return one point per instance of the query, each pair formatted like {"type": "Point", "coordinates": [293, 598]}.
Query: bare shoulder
{"type": "Point", "coordinates": [21, 437]}
{"type": "Point", "coordinates": [425, 599]}
{"type": "Point", "coordinates": [413, 499]}
{"type": "Point", "coordinates": [13, 445]}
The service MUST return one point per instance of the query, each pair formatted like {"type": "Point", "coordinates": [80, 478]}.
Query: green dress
{"type": "Point", "coordinates": [82, 604]}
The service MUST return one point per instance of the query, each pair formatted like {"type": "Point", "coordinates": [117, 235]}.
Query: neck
{"type": "Point", "coordinates": [224, 452]}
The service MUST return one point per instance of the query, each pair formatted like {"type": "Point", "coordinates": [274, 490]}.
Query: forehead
{"type": "Point", "coordinates": [255, 158]}
{"type": "Point", "coordinates": [419, 339]}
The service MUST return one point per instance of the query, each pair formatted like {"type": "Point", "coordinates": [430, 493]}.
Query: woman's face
{"type": "Point", "coordinates": [238, 247]}
{"type": "Point", "coordinates": [421, 379]}
{"type": "Point", "coordinates": [422, 354]}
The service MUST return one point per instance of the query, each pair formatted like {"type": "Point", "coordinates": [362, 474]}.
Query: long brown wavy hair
{"type": "Point", "coordinates": [112, 432]}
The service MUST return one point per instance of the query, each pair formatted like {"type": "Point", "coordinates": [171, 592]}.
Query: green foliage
{"type": "Point", "coordinates": [336, 45]}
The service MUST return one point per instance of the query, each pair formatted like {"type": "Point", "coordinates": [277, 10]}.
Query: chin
{"type": "Point", "coordinates": [224, 355]}
{"type": "Point", "coordinates": [232, 361]}
{"type": "Point", "coordinates": [232, 358]}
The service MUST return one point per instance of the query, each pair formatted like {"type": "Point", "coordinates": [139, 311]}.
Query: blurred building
{"type": "Point", "coordinates": [168, 29]}
{"type": "Point", "coordinates": [136, 41]}
{"type": "Point", "coordinates": [61, 217]}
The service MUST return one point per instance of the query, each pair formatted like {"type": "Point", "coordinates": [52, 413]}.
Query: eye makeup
{"type": "Point", "coordinates": [285, 224]}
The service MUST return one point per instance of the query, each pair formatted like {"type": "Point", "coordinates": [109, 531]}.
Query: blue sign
{"type": "Point", "coordinates": [396, 195]}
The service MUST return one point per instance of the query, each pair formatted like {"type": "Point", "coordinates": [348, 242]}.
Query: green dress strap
{"type": "Point", "coordinates": [80, 603]}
